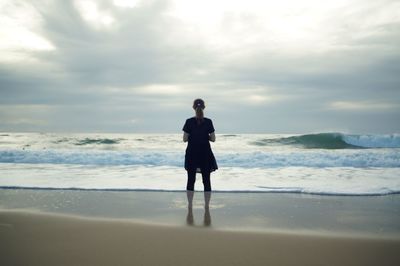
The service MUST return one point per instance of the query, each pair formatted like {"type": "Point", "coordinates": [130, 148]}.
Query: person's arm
{"type": "Point", "coordinates": [186, 131]}
{"type": "Point", "coordinates": [211, 137]}
{"type": "Point", "coordinates": [185, 137]}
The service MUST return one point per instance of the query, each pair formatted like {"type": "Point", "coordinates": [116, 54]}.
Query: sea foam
{"type": "Point", "coordinates": [324, 163]}
{"type": "Point", "coordinates": [322, 181]}
{"type": "Point", "coordinates": [258, 159]}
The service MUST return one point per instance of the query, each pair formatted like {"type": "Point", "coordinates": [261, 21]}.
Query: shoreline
{"type": "Point", "coordinates": [322, 194]}
{"type": "Point", "coordinates": [29, 238]}
{"type": "Point", "coordinates": [359, 216]}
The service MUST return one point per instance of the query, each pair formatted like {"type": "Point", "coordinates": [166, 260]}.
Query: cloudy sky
{"type": "Point", "coordinates": [285, 66]}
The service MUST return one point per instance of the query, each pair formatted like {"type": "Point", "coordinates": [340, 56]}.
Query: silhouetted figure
{"type": "Point", "coordinates": [199, 158]}
{"type": "Point", "coordinates": [207, 215]}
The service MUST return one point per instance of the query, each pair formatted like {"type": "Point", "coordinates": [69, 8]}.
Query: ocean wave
{"type": "Point", "coordinates": [316, 158]}
{"type": "Point", "coordinates": [87, 141]}
{"type": "Point", "coordinates": [334, 141]}
{"type": "Point", "coordinates": [301, 180]}
{"type": "Point", "coordinates": [373, 141]}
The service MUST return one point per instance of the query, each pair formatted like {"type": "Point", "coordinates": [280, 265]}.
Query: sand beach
{"type": "Point", "coordinates": [161, 228]}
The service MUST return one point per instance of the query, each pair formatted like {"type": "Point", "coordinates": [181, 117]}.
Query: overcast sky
{"type": "Point", "coordinates": [286, 66]}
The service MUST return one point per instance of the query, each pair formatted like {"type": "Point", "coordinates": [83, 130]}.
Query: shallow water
{"type": "Point", "coordinates": [375, 216]}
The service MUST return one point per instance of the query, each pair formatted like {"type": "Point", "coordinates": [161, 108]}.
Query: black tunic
{"type": "Point", "coordinates": [198, 151]}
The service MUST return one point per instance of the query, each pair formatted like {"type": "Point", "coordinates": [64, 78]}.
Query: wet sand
{"type": "Point", "coordinates": [31, 238]}
{"type": "Point", "coordinates": [46, 227]}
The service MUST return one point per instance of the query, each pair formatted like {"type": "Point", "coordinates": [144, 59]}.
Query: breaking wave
{"type": "Point", "coordinates": [258, 159]}
{"type": "Point", "coordinates": [335, 141]}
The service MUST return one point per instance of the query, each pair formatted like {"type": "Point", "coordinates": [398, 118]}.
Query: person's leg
{"type": "Point", "coordinates": [206, 181]}
{"type": "Point", "coordinates": [191, 180]}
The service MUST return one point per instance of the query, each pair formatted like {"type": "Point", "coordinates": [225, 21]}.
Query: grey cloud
{"type": "Point", "coordinates": [133, 53]}
{"type": "Point", "coordinates": [93, 80]}
{"type": "Point", "coordinates": [87, 60]}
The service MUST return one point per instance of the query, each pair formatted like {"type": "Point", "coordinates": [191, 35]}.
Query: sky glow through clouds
{"type": "Point", "coordinates": [261, 66]}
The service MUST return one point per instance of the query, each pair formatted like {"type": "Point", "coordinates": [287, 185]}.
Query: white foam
{"type": "Point", "coordinates": [326, 181]}
{"type": "Point", "coordinates": [258, 159]}
{"type": "Point", "coordinates": [155, 162]}
{"type": "Point", "coordinates": [373, 141]}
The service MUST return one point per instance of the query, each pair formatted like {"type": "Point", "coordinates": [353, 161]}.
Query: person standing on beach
{"type": "Point", "coordinates": [199, 158]}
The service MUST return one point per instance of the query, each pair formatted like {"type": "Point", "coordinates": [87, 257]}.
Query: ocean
{"type": "Point", "coordinates": [323, 163]}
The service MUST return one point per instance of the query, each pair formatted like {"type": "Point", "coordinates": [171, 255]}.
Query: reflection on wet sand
{"type": "Point", "coordinates": [207, 216]}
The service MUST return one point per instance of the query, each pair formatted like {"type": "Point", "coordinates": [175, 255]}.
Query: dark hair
{"type": "Point", "coordinates": [198, 106]}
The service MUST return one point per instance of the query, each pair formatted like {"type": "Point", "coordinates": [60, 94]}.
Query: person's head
{"type": "Point", "coordinates": [198, 106]}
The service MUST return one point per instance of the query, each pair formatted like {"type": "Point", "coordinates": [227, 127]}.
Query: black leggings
{"type": "Point", "coordinates": [192, 180]}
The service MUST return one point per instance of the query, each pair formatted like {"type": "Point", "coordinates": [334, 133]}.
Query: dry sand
{"type": "Point", "coordinates": [28, 238]}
